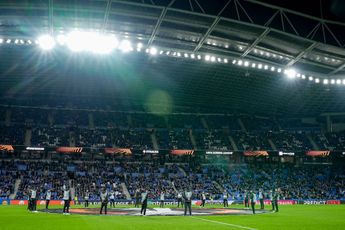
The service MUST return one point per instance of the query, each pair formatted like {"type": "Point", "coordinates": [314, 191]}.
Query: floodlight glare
{"type": "Point", "coordinates": [310, 78]}
{"type": "Point", "coordinates": [207, 57]}
{"type": "Point", "coordinates": [102, 44]}
{"type": "Point", "coordinates": [279, 70]}
{"type": "Point", "coordinates": [8, 41]}
{"type": "Point", "coordinates": [290, 73]}
{"type": "Point", "coordinates": [240, 62]}
{"type": "Point", "coordinates": [140, 45]}
{"type": "Point", "coordinates": [192, 56]}
{"type": "Point", "coordinates": [125, 46]}
{"type": "Point", "coordinates": [266, 67]}
{"type": "Point", "coordinates": [332, 81]}
{"type": "Point", "coordinates": [153, 51]}
{"type": "Point", "coordinates": [77, 41]}
{"type": "Point", "coordinates": [225, 60]}
{"type": "Point", "coordinates": [325, 81]}
{"type": "Point", "coordinates": [213, 59]}
{"type": "Point", "coordinates": [246, 63]}
{"type": "Point", "coordinates": [343, 81]}
{"type": "Point", "coordinates": [253, 65]}
{"type": "Point", "coordinates": [260, 66]}
{"type": "Point", "coordinates": [1, 40]}
{"type": "Point", "coordinates": [61, 39]}
{"type": "Point", "coordinates": [317, 80]}
{"type": "Point", "coordinates": [338, 81]}
{"type": "Point", "coordinates": [46, 42]}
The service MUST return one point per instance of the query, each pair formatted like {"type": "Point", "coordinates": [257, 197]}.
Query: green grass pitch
{"type": "Point", "coordinates": [311, 217]}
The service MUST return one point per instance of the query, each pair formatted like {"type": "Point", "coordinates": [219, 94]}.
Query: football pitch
{"type": "Point", "coordinates": [311, 217]}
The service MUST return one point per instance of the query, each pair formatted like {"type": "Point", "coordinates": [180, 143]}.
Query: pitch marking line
{"type": "Point", "coordinates": [218, 222]}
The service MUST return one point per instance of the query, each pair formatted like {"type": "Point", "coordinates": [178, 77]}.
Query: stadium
{"type": "Point", "coordinates": [175, 114]}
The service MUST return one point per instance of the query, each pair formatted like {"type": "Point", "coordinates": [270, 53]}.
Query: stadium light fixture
{"type": "Point", "coordinates": [273, 68]}
{"type": "Point", "coordinates": [310, 78]}
{"type": "Point", "coordinates": [140, 45]}
{"type": "Point", "coordinates": [290, 73]}
{"type": "Point", "coordinates": [213, 59]}
{"type": "Point", "coordinates": [16, 41]}
{"type": "Point", "coordinates": [77, 41]}
{"type": "Point", "coordinates": [178, 54]}
{"type": "Point", "coordinates": [29, 42]}
{"type": "Point", "coordinates": [233, 61]}
{"type": "Point", "coordinates": [338, 81]}
{"type": "Point", "coordinates": [253, 65]}
{"type": "Point", "coordinates": [1, 40]}
{"type": "Point", "coordinates": [8, 41]}
{"type": "Point", "coordinates": [125, 46]}
{"type": "Point", "coordinates": [21, 41]}
{"type": "Point", "coordinates": [207, 58]}
{"type": "Point", "coordinates": [192, 56]}
{"type": "Point", "coordinates": [303, 76]}
{"type": "Point", "coordinates": [225, 60]}
{"type": "Point", "coordinates": [153, 51]}
{"type": "Point", "coordinates": [199, 57]}
{"type": "Point", "coordinates": [317, 80]}
{"type": "Point", "coordinates": [332, 81]}
{"type": "Point", "coordinates": [343, 81]}
{"type": "Point", "coordinates": [259, 66]}
{"type": "Point", "coordinates": [161, 52]}
{"type": "Point", "coordinates": [279, 70]}
{"type": "Point", "coordinates": [240, 62]}
{"type": "Point", "coordinates": [186, 55]}
{"type": "Point", "coordinates": [246, 63]}
{"type": "Point", "coordinates": [325, 81]}
{"type": "Point", "coordinates": [102, 44]}
{"type": "Point", "coordinates": [46, 42]}
{"type": "Point", "coordinates": [266, 67]}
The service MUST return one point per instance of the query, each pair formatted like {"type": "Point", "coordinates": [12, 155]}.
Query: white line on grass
{"type": "Point", "coordinates": [223, 223]}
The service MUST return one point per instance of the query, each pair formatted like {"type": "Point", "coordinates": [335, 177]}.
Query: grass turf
{"type": "Point", "coordinates": [311, 217]}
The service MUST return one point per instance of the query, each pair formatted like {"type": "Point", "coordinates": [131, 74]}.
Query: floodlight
{"type": "Point", "coordinates": [46, 42]}
{"type": "Point", "coordinates": [153, 51]}
{"type": "Point", "coordinates": [290, 73]}
{"type": "Point", "coordinates": [125, 46]}
{"type": "Point", "coordinates": [325, 81]}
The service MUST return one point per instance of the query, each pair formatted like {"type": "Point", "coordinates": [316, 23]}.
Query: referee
{"type": "Point", "coordinates": [179, 199]}
{"type": "Point", "coordinates": [104, 201]}
{"type": "Point", "coordinates": [188, 202]}
{"type": "Point", "coordinates": [253, 200]}
{"type": "Point", "coordinates": [225, 198]}
{"type": "Point", "coordinates": [203, 199]}
{"type": "Point", "coordinates": [246, 199]}
{"type": "Point", "coordinates": [137, 198]}
{"type": "Point", "coordinates": [86, 199]}
{"type": "Point", "coordinates": [67, 200]}
{"type": "Point", "coordinates": [275, 200]}
{"type": "Point", "coordinates": [143, 203]}
{"type": "Point", "coordinates": [48, 197]}
{"type": "Point", "coordinates": [261, 199]}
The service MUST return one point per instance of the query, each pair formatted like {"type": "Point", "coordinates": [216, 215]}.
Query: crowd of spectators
{"type": "Point", "coordinates": [295, 182]}
{"type": "Point", "coordinates": [89, 128]}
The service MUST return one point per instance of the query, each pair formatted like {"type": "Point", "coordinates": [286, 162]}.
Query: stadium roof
{"type": "Point", "coordinates": [234, 29]}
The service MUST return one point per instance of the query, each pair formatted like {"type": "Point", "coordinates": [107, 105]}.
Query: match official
{"type": "Point", "coordinates": [187, 202]}
{"type": "Point", "coordinates": [143, 202]}
{"type": "Point", "coordinates": [104, 201]}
